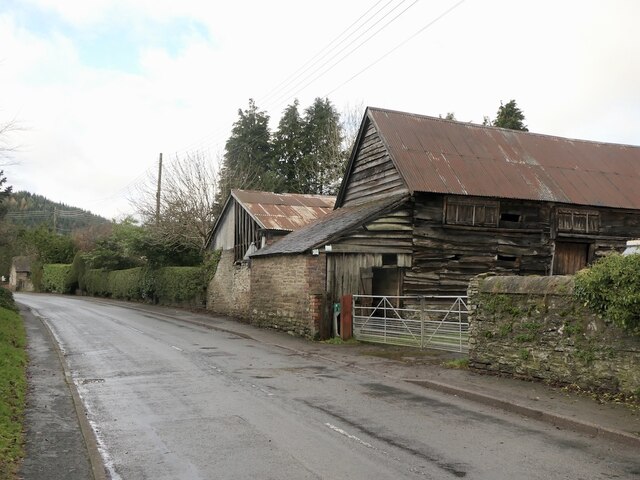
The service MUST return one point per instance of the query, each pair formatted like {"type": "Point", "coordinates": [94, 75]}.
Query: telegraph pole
{"type": "Point", "coordinates": [159, 188]}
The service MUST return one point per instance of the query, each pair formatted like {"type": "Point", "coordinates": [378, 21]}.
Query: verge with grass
{"type": "Point", "coordinates": [13, 386]}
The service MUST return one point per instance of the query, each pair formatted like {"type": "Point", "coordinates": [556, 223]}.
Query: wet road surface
{"type": "Point", "coordinates": [170, 400]}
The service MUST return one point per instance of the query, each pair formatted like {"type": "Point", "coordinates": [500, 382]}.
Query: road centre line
{"type": "Point", "coordinates": [348, 435]}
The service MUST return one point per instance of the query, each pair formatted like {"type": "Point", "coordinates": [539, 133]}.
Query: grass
{"type": "Point", "coordinates": [340, 341]}
{"type": "Point", "coordinates": [458, 363]}
{"type": "Point", "coordinates": [13, 386]}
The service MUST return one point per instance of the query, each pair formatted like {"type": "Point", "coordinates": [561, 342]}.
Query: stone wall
{"type": "Point", "coordinates": [228, 291]}
{"type": "Point", "coordinates": [287, 293]}
{"type": "Point", "coordinates": [532, 327]}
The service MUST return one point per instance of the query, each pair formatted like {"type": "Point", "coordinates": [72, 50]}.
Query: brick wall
{"type": "Point", "coordinates": [287, 293]}
{"type": "Point", "coordinates": [228, 291]}
{"type": "Point", "coordinates": [533, 327]}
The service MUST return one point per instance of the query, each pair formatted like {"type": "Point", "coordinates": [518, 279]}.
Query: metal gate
{"type": "Point", "coordinates": [439, 322]}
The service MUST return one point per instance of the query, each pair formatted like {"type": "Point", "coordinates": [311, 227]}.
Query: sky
{"type": "Point", "coordinates": [99, 88]}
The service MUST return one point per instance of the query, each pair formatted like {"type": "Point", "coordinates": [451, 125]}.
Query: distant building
{"type": "Point", "coordinates": [20, 276]}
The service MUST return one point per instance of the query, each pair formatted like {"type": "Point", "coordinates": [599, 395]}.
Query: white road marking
{"type": "Point", "coordinates": [348, 435]}
{"type": "Point", "coordinates": [177, 348]}
{"type": "Point", "coordinates": [135, 329]}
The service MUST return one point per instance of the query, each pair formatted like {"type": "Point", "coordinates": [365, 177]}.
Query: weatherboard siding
{"type": "Point", "coordinates": [373, 176]}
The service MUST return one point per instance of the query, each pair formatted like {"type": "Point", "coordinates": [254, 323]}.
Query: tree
{"type": "Point", "coordinates": [118, 250]}
{"type": "Point", "coordinates": [350, 121]}
{"type": "Point", "coordinates": [324, 158]}
{"type": "Point", "coordinates": [508, 116]}
{"type": "Point", "coordinates": [5, 192]}
{"type": "Point", "coordinates": [46, 245]}
{"type": "Point", "coordinates": [248, 159]}
{"type": "Point", "coordinates": [187, 202]}
{"type": "Point", "coordinates": [449, 116]}
{"type": "Point", "coordinates": [288, 149]}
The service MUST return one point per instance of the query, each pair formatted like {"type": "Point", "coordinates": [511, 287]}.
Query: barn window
{"type": "Point", "coordinates": [578, 221]}
{"type": "Point", "coordinates": [471, 211]}
{"type": "Point", "coordinates": [510, 217]}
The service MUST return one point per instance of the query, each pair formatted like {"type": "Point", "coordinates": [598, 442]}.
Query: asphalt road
{"type": "Point", "coordinates": [170, 400]}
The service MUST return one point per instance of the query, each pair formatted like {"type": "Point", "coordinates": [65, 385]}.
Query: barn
{"type": "Point", "coordinates": [427, 203]}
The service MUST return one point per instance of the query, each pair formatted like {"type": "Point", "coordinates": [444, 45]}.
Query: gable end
{"type": "Point", "coordinates": [372, 174]}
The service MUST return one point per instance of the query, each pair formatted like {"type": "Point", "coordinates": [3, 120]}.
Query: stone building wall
{"type": "Point", "coordinates": [532, 327]}
{"type": "Point", "coordinates": [287, 293]}
{"type": "Point", "coordinates": [228, 291]}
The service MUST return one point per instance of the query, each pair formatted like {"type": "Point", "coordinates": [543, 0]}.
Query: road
{"type": "Point", "coordinates": [172, 400]}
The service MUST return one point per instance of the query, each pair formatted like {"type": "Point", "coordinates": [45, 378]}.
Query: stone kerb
{"type": "Point", "coordinates": [532, 327]}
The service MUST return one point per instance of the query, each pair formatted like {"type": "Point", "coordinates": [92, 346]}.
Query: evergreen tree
{"type": "Point", "coordinates": [509, 116]}
{"type": "Point", "coordinates": [248, 159]}
{"type": "Point", "coordinates": [323, 162]}
{"type": "Point", "coordinates": [288, 149]}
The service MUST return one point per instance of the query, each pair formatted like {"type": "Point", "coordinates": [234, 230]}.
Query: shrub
{"type": "Point", "coordinates": [611, 287]}
{"type": "Point", "coordinates": [126, 284]}
{"type": "Point", "coordinates": [54, 276]}
{"type": "Point", "coordinates": [6, 300]}
{"type": "Point", "coordinates": [75, 277]}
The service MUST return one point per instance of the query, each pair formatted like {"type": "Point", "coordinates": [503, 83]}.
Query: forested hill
{"type": "Point", "coordinates": [31, 210]}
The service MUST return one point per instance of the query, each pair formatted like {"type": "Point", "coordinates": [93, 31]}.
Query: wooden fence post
{"type": "Point", "coordinates": [346, 317]}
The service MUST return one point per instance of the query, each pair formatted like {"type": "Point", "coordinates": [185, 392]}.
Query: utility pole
{"type": "Point", "coordinates": [55, 219]}
{"type": "Point", "coordinates": [159, 188]}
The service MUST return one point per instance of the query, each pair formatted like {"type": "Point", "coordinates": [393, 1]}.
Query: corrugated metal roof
{"type": "Point", "coordinates": [442, 156]}
{"type": "Point", "coordinates": [330, 226]}
{"type": "Point", "coordinates": [284, 211]}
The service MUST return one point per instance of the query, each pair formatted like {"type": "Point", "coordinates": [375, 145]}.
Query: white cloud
{"type": "Point", "coordinates": [92, 131]}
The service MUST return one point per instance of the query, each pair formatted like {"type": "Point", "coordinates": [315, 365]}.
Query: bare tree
{"type": "Point", "coordinates": [351, 118]}
{"type": "Point", "coordinates": [7, 147]}
{"type": "Point", "coordinates": [187, 200]}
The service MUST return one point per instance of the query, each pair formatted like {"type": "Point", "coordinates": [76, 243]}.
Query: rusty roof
{"type": "Point", "coordinates": [283, 211]}
{"type": "Point", "coordinates": [443, 156]}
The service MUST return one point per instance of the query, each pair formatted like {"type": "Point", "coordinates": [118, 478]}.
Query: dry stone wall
{"type": "Point", "coordinates": [532, 327]}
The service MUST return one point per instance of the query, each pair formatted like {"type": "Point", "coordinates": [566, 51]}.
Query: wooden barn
{"type": "Point", "coordinates": [427, 203]}
{"type": "Point", "coordinates": [251, 220]}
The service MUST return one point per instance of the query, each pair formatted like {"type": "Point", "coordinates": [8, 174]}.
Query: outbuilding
{"type": "Point", "coordinates": [251, 220]}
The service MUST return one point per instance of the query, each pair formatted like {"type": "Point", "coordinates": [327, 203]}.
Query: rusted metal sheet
{"type": "Point", "coordinates": [441, 156]}
{"type": "Point", "coordinates": [283, 211]}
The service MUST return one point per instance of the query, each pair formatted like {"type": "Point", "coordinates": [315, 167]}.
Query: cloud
{"type": "Point", "coordinates": [104, 86]}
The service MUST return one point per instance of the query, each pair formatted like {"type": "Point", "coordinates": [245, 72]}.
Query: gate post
{"type": "Point", "coordinates": [346, 317]}
{"type": "Point", "coordinates": [422, 315]}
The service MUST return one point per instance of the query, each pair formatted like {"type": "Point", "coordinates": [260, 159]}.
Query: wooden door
{"type": "Point", "coordinates": [569, 257]}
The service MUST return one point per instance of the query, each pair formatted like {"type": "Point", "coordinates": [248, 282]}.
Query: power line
{"type": "Point", "coordinates": [348, 54]}
{"type": "Point", "coordinates": [401, 44]}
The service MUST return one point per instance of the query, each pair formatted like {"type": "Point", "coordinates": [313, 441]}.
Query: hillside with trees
{"type": "Point", "coordinates": [31, 210]}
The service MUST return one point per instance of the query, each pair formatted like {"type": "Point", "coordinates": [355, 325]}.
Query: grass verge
{"type": "Point", "coordinates": [13, 386]}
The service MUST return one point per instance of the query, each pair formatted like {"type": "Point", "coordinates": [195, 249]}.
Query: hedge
{"type": "Point", "coordinates": [54, 277]}
{"type": "Point", "coordinates": [168, 285]}
{"type": "Point", "coordinates": [96, 282]}
{"type": "Point", "coordinates": [126, 284]}
{"type": "Point", "coordinates": [180, 285]}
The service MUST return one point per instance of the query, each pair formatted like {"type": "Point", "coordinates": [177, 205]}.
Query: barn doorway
{"type": "Point", "coordinates": [569, 257]}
